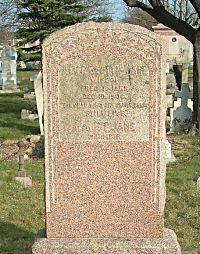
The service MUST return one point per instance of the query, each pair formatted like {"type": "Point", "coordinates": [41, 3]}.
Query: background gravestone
{"type": "Point", "coordinates": [181, 117]}
{"type": "Point", "coordinates": [168, 152]}
{"type": "Point", "coordinates": [104, 141]}
{"type": "Point", "coordinates": [8, 75]}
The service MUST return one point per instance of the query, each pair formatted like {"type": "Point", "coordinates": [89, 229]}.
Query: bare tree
{"type": "Point", "coordinates": [174, 19]}
{"type": "Point", "coordinates": [8, 13]}
{"type": "Point", "coordinates": [97, 8]}
{"type": "Point", "coordinates": [139, 17]}
{"type": "Point", "coordinates": [8, 20]}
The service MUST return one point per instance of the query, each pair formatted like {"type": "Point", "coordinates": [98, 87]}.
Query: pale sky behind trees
{"type": "Point", "coordinates": [118, 9]}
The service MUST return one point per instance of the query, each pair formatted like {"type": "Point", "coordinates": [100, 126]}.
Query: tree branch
{"type": "Point", "coordinates": [135, 3]}
{"type": "Point", "coordinates": [166, 18]}
{"type": "Point", "coordinates": [196, 5]}
{"type": "Point", "coordinates": [155, 3]}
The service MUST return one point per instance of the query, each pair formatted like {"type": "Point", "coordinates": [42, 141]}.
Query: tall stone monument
{"type": "Point", "coordinates": [105, 142]}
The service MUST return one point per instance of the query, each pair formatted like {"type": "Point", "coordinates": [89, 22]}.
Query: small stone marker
{"type": "Point", "coordinates": [168, 152]}
{"type": "Point", "coordinates": [22, 150]}
{"type": "Point", "coordinates": [26, 181]}
{"type": "Point", "coordinates": [181, 117]}
{"type": "Point", "coordinates": [104, 142]}
{"type": "Point", "coordinates": [27, 114]}
{"type": "Point", "coordinates": [30, 96]}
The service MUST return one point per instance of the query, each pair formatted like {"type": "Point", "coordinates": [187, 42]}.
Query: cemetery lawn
{"type": "Point", "coordinates": [22, 209]}
{"type": "Point", "coordinates": [24, 76]}
{"type": "Point", "coordinates": [182, 212]}
{"type": "Point", "coordinates": [11, 124]}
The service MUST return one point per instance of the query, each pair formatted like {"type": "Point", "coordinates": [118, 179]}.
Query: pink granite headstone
{"type": "Point", "coordinates": [104, 101]}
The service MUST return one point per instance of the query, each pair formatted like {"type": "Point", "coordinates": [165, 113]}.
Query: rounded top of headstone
{"type": "Point", "coordinates": [99, 27]}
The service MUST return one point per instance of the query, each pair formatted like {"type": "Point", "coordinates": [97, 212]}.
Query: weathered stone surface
{"type": "Point", "coordinates": [27, 114]}
{"type": "Point", "coordinates": [29, 96]}
{"type": "Point", "coordinates": [104, 140]}
{"type": "Point", "coordinates": [166, 245]}
{"type": "Point", "coordinates": [105, 132]}
{"type": "Point", "coordinates": [26, 181]}
{"type": "Point", "coordinates": [181, 117]}
{"type": "Point", "coordinates": [8, 69]}
{"type": "Point", "coordinates": [168, 152]}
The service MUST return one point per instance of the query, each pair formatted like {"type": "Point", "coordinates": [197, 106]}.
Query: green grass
{"type": "Point", "coordinates": [26, 84]}
{"type": "Point", "coordinates": [24, 74]}
{"type": "Point", "coordinates": [22, 209]}
{"type": "Point", "coordinates": [23, 77]}
{"type": "Point", "coordinates": [11, 124]}
{"type": "Point", "coordinates": [182, 212]}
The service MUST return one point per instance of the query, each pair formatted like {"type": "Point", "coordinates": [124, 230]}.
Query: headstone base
{"type": "Point", "coordinates": [26, 181]}
{"type": "Point", "coordinates": [171, 160]}
{"type": "Point", "coordinates": [167, 245]}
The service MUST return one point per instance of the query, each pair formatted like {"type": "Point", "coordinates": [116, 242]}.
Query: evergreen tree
{"type": "Point", "coordinates": [40, 18]}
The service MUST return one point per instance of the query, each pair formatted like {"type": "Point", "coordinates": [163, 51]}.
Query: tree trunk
{"type": "Point", "coordinates": [182, 7]}
{"type": "Point", "coordinates": [175, 8]}
{"type": "Point", "coordinates": [196, 86]}
{"type": "Point", "coordinates": [178, 69]}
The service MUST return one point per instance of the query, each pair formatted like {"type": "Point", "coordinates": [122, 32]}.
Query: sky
{"type": "Point", "coordinates": [119, 9]}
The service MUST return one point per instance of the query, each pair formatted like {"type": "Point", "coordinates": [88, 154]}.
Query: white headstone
{"type": "Point", "coordinates": [25, 113]}
{"type": "Point", "coordinates": [181, 116]}
{"type": "Point", "coordinates": [8, 75]}
{"type": "Point", "coordinates": [168, 152]}
{"type": "Point", "coordinates": [39, 100]}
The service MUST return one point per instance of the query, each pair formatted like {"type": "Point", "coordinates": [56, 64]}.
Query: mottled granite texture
{"type": "Point", "coordinates": [166, 245]}
{"type": "Point", "coordinates": [104, 131]}
{"type": "Point", "coordinates": [104, 124]}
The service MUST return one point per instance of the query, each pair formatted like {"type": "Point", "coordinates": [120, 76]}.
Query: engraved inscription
{"type": "Point", "coordinates": [104, 98]}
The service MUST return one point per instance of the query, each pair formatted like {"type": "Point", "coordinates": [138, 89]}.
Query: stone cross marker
{"type": "Point", "coordinates": [105, 141]}
{"type": "Point", "coordinates": [184, 94]}
{"type": "Point", "coordinates": [22, 149]}
{"type": "Point", "coordinates": [181, 117]}
{"type": "Point", "coordinates": [21, 177]}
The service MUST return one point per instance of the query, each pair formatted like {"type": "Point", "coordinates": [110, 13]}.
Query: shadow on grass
{"type": "Point", "coordinates": [13, 103]}
{"type": "Point", "coordinates": [20, 126]}
{"type": "Point", "coordinates": [14, 240]}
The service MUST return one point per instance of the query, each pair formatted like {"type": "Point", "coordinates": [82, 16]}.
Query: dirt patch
{"type": "Point", "coordinates": [177, 144]}
{"type": "Point", "coordinates": [8, 150]}
{"type": "Point", "coordinates": [34, 148]}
